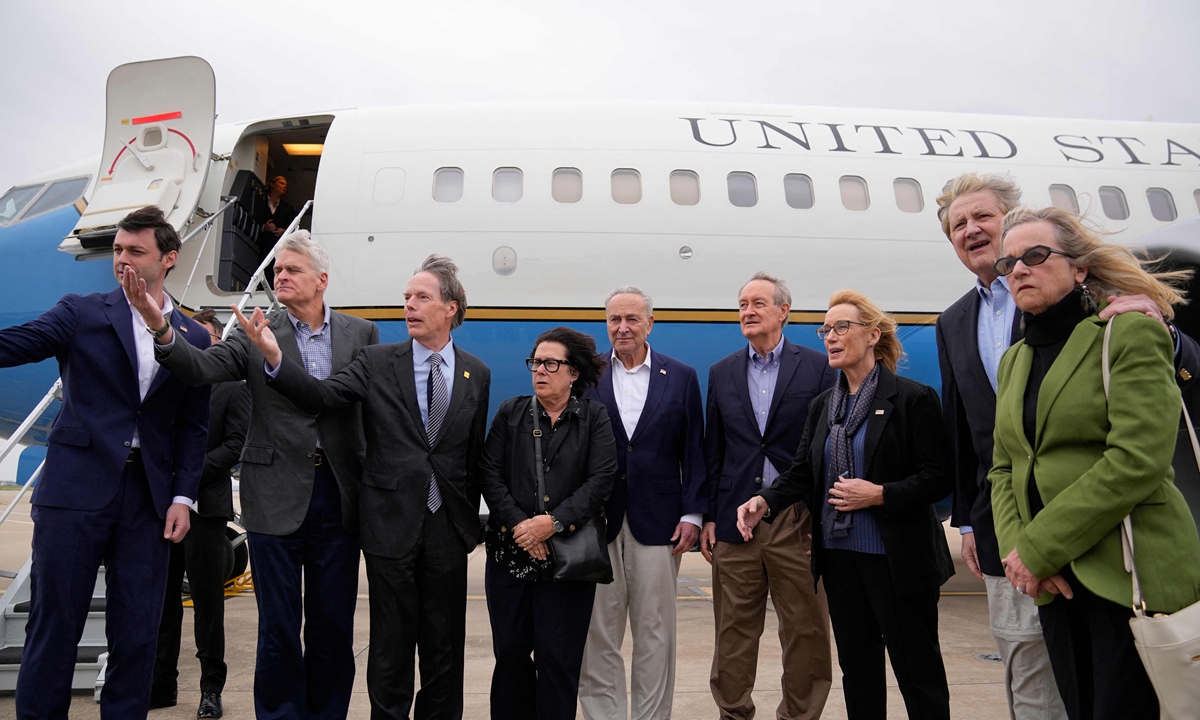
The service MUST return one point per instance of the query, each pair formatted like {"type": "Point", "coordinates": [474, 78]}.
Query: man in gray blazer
{"type": "Point", "coordinates": [299, 488]}
{"type": "Point", "coordinates": [425, 405]}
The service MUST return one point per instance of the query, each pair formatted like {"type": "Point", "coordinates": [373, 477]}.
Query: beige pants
{"type": "Point", "coordinates": [775, 561]}
{"type": "Point", "coordinates": [1032, 693]}
{"type": "Point", "coordinates": [643, 589]}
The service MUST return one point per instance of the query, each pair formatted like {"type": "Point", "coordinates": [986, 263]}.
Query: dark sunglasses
{"type": "Point", "coordinates": [550, 364]}
{"type": "Point", "coordinates": [841, 327]}
{"type": "Point", "coordinates": [1033, 257]}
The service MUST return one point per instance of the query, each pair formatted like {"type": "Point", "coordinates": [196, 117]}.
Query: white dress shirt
{"type": "Point", "coordinates": [147, 367]}
{"type": "Point", "coordinates": [630, 388]}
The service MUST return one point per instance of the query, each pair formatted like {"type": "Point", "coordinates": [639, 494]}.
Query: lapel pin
{"type": "Point", "coordinates": [663, 371]}
{"type": "Point", "coordinates": [878, 412]}
{"type": "Point", "coordinates": [183, 328]}
{"type": "Point", "coordinates": [466, 374]}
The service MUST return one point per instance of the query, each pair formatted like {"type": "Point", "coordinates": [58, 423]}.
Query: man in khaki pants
{"type": "Point", "coordinates": [757, 403]}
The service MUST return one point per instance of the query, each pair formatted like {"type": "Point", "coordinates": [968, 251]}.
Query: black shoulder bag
{"type": "Point", "coordinates": [582, 555]}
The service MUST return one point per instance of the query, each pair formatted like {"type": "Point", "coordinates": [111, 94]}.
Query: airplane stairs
{"type": "Point", "coordinates": [14, 614]}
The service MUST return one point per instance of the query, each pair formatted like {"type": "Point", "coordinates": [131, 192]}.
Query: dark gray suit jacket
{"type": "Point", "coordinates": [277, 462]}
{"type": "Point", "coordinates": [399, 460]}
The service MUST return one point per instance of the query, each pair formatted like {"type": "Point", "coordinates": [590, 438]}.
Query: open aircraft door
{"type": "Point", "coordinates": [158, 137]}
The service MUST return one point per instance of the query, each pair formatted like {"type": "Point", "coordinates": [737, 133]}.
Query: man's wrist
{"type": "Point", "coordinates": [965, 530]}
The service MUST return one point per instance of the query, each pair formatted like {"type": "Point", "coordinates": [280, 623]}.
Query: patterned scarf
{"type": "Point", "coordinates": [835, 523]}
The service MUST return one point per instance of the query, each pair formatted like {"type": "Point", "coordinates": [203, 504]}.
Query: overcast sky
{"type": "Point", "coordinates": [1110, 59]}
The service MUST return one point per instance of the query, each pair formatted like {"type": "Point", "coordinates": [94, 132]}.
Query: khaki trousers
{"type": "Point", "coordinates": [773, 561]}
{"type": "Point", "coordinates": [644, 589]}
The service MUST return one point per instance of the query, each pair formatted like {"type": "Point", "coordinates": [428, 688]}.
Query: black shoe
{"type": "Point", "coordinates": [163, 701]}
{"type": "Point", "coordinates": [210, 705]}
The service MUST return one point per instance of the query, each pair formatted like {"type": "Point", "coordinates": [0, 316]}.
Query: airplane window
{"type": "Point", "coordinates": [743, 189]}
{"type": "Point", "coordinates": [508, 184]}
{"type": "Point", "coordinates": [908, 195]}
{"type": "Point", "coordinates": [60, 194]}
{"type": "Point", "coordinates": [626, 186]}
{"type": "Point", "coordinates": [566, 185]}
{"type": "Point", "coordinates": [15, 200]}
{"type": "Point", "coordinates": [685, 187]}
{"type": "Point", "coordinates": [1196, 197]}
{"type": "Point", "coordinates": [798, 191]}
{"type": "Point", "coordinates": [448, 184]}
{"type": "Point", "coordinates": [1112, 200]}
{"type": "Point", "coordinates": [1162, 205]}
{"type": "Point", "coordinates": [854, 193]}
{"type": "Point", "coordinates": [1063, 196]}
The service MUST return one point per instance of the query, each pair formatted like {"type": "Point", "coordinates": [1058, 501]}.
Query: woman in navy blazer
{"type": "Point", "coordinates": [875, 447]}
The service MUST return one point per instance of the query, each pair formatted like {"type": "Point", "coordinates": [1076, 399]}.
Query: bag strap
{"type": "Point", "coordinates": [537, 455]}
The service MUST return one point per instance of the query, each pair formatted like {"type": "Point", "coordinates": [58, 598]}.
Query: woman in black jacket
{"type": "Point", "coordinates": [870, 465]}
{"type": "Point", "coordinates": [539, 627]}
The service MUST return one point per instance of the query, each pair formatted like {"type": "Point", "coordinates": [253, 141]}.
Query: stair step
{"type": "Point", "coordinates": [83, 654]}
{"type": "Point", "coordinates": [97, 605]}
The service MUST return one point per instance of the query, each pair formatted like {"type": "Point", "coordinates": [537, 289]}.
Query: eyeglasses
{"type": "Point", "coordinates": [1032, 257]}
{"type": "Point", "coordinates": [550, 364]}
{"type": "Point", "coordinates": [841, 327]}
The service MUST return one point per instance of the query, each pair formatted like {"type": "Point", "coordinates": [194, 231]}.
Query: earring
{"type": "Point", "coordinates": [1086, 301]}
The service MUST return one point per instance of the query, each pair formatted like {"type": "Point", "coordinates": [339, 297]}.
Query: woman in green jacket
{"type": "Point", "coordinates": [1070, 464]}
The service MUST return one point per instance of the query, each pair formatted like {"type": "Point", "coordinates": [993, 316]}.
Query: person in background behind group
{"type": "Point", "coordinates": [872, 463]}
{"type": "Point", "coordinates": [123, 465]}
{"type": "Point", "coordinates": [654, 515]}
{"type": "Point", "coordinates": [299, 488]}
{"type": "Point", "coordinates": [539, 626]}
{"type": "Point", "coordinates": [205, 553]}
{"type": "Point", "coordinates": [1074, 456]}
{"type": "Point", "coordinates": [758, 400]}
{"type": "Point", "coordinates": [278, 216]}
{"type": "Point", "coordinates": [972, 335]}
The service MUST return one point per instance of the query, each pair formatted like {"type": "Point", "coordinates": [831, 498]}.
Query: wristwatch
{"type": "Point", "coordinates": [558, 527]}
{"type": "Point", "coordinates": [156, 334]}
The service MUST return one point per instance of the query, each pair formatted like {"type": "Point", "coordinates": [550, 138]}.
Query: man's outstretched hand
{"type": "Point", "coordinates": [258, 329]}
{"type": "Point", "coordinates": [139, 298]}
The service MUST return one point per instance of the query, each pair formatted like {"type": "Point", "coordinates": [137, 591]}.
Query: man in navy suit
{"type": "Point", "coordinates": [123, 465]}
{"type": "Point", "coordinates": [757, 405]}
{"type": "Point", "coordinates": [654, 515]}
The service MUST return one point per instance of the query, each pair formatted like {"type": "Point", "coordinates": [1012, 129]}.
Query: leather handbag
{"type": "Point", "coordinates": [580, 555]}
{"type": "Point", "coordinates": [1169, 645]}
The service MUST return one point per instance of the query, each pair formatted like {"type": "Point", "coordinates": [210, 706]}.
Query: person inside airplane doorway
{"type": "Point", "coordinates": [123, 466]}
{"type": "Point", "coordinates": [872, 462]}
{"type": "Point", "coordinates": [280, 215]}
{"type": "Point", "coordinates": [972, 335]}
{"type": "Point", "coordinates": [299, 487]}
{"type": "Point", "coordinates": [758, 398]}
{"type": "Point", "coordinates": [205, 552]}
{"type": "Point", "coordinates": [424, 405]}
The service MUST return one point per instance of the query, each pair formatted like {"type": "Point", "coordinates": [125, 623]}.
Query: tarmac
{"type": "Point", "coordinates": [976, 684]}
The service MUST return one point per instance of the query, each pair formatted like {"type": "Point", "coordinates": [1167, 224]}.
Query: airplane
{"type": "Point", "coordinates": [548, 207]}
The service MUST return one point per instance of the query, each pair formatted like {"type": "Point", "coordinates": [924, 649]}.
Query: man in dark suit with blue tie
{"type": "Point", "coordinates": [654, 515]}
{"type": "Point", "coordinates": [757, 405]}
{"type": "Point", "coordinates": [123, 465]}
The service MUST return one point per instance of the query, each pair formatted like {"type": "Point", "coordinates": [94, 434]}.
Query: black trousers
{"type": "Point", "coordinates": [868, 615]}
{"type": "Point", "coordinates": [126, 536]}
{"type": "Point", "coordinates": [205, 555]}
{"type": "Point", "coordinates": [539, 630]}
{"type": "Point", "coordinates": [1096, 665]}
{"type": "Point", "coordinates": [306, 579]}
{"type": "Point", "coordinates": [419, 603]}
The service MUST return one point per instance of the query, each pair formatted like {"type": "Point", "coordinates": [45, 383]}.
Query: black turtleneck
{"type": "Point", "coordinates": [1047, 333]}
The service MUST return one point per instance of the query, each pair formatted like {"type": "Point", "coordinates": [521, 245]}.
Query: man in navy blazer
{"type": "Point", "coordinates": [654, 515]}
{"type": "Point", "coordinates": [758, 401]}
{"type": "Point", "coordinates": [123, 465]}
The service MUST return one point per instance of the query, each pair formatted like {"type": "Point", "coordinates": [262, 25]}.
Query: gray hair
{"type": "Point", "coordinates": [1008, 194]}
{"type": "Point", "coordinates": [301, 242]}
{"type": "Point", "coordinates": [783, 296]}
{"type": "Point", "coordinates": [631, 290]}
{"type": "Point", "coordinates": [446, 272]}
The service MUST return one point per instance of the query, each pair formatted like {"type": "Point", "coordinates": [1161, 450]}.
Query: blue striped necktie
{"type": "Point", "coordinates": [439, 402]}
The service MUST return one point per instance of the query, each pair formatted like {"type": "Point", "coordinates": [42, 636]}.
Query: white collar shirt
{"type": "Point", "coordinates": [630, 388]}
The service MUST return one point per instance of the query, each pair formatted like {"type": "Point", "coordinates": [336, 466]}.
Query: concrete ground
{"type": "Point", "coordinates": [976, 686]}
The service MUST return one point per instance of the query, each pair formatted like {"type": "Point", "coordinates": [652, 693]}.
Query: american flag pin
{"type": "Point", "coordinates": [663, 371]}
{"type": "Point", "coordinates": [466, 374]}
{"type": "Point", "coordinates": [878, 412]}
{"type": "Point", "coordinates": [183, 328]}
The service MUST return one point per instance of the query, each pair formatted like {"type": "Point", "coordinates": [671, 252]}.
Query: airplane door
{"type": "Point", "coordinates": [158, 136]}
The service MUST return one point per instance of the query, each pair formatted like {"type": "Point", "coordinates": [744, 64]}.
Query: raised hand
{"type": "Point", "coordinates": [259, 331]}
{"type": "Point", "coordinates": [146, 306]}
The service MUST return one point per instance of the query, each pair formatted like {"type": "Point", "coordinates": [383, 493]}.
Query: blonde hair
{"type": "Point", "coordinates": [888, 350]}
{"type": "Point", "coordinates": [1008, 195]}
{"type": "Point", "coordinates": [1111, 269]}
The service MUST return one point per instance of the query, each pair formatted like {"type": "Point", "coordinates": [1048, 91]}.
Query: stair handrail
{"type": "Point", "coordinates": [55, 393]}
{"type": "Point", "coordinates": [259, 276]}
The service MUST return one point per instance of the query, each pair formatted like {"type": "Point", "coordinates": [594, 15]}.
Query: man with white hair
{"type": "Point", "coordinates": [299, 487]}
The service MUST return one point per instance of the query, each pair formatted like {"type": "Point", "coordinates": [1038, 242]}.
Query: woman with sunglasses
{"type": "Point", "coordinates": [872, 462]}
{"type": "Point", "coordinates": [1070, 463]}
{"type": "Point", "coordinates": [539, 627]}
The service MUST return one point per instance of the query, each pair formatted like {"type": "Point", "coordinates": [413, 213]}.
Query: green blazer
{"type": "Point", "coordinates": [1096, 462]}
